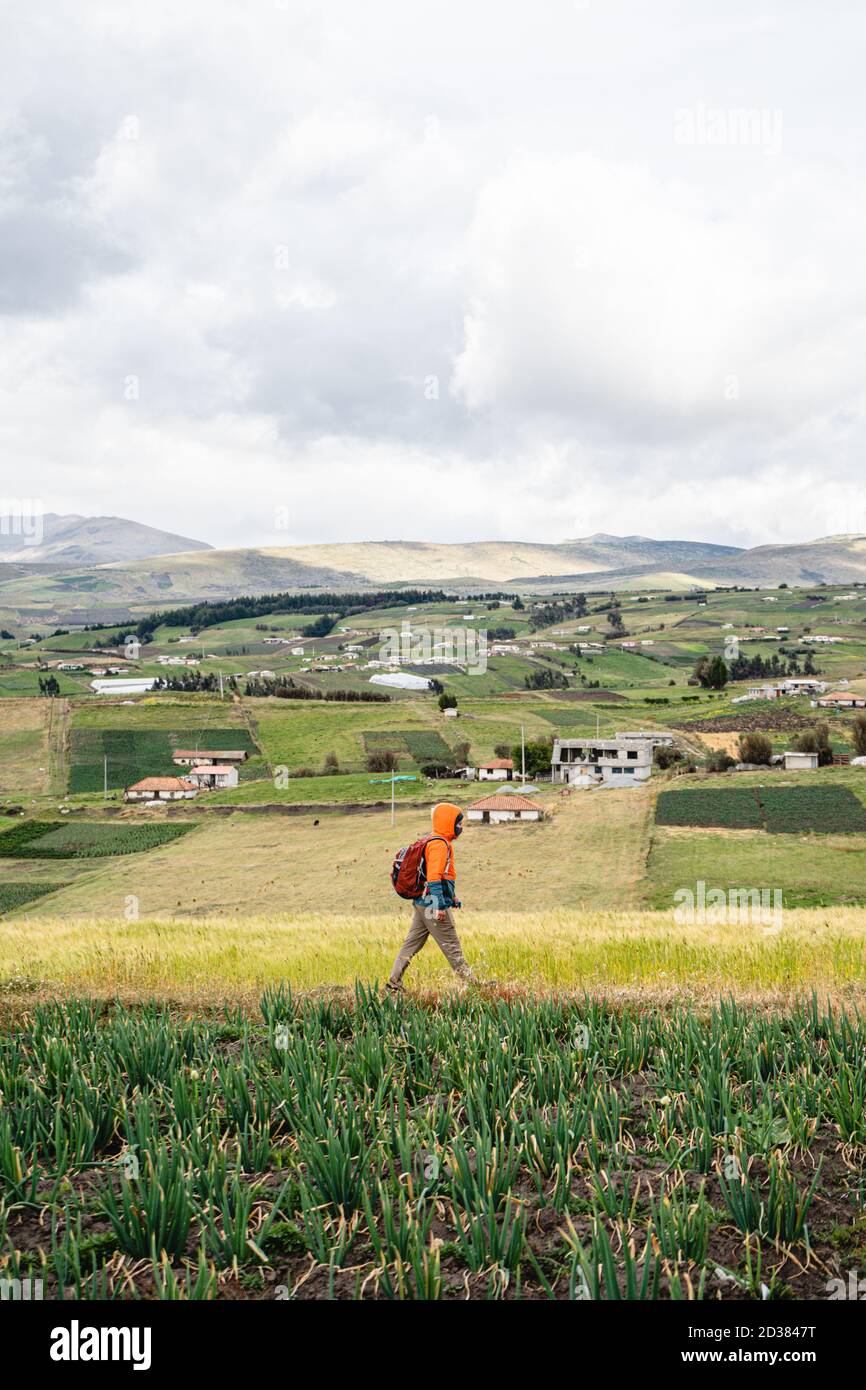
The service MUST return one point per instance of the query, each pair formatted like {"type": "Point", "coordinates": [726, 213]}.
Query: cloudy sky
{"type": "Point", "coordinates": [276, 272]}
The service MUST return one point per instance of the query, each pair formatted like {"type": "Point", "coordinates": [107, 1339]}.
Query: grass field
{"type": "Point", "coordinates": [24, 756]}
{"type": "Point", "coordinates": [640, 955]}
{"type": "Point", "coordinates": [809, 871]}
{"type": "Point", "coordinates": [586, 854]}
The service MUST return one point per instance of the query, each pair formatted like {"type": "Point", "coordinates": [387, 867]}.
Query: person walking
{"type": "Point", "coordinates": [432, 910]}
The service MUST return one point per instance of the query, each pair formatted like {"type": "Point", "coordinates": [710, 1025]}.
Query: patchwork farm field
{"type": "Point", "coordinates": [135, 753]}
{"type": "Point", "coordinates": [780, 810]}
{"type": "Point", "coordinates": [501, 1148]}
{"type": "Point", "coordinates": [84, 839]}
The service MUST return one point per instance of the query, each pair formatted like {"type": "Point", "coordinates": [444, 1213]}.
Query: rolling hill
{"type": "Point", "coordinates": [592, 563]}
{"type": "Point", "coordinates": [93, 540]}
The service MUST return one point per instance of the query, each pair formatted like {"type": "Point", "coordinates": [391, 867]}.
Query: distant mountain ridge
{"type": "Point", "coordinates": [594, 563]}
{"type": "Point", "coordinates": [94, 540]}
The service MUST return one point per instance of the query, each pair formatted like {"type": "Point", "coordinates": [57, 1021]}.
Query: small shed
{"type": "Point", "coordinates": [801, 762]}
{"type": "Point", "coordinates": [214, 775]}
{"type": "Point", "coordinates": [493, 810]}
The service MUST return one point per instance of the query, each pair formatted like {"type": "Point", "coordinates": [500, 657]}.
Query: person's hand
{"type": "Point", "coordinates": [441, 917]}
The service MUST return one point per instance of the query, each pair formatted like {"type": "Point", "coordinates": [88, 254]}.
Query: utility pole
{"type": "Point", "coordinates": [522, 757]}
{"type": "Point", "coordinates": [393, 789]}
{"type": "Point", "coordinates": [105, 776]}
{"type": "Point", "coordinates": [221, 684]}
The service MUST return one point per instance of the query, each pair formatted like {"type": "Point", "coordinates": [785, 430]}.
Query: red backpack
{"type": "Point", "coordinates": [409, 871]}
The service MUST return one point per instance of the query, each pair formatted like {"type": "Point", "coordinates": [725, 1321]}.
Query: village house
{"type": "Point", "coordinates": [495, 810]}
{"type": "Point", "coordinates": [214, 775]}
{"type": "Point", "coordinates": [500, 770]}
{"type": "Point", "coordinates": [777, 690]}
{"type": "Point", "coordinates": [842, 699]}
{"type": "Point", "coordinates": [203, 757]}
{"type": "Point", "coordinates": [161, 789]}
{"type": "Point", "coordinates": [617, 762]}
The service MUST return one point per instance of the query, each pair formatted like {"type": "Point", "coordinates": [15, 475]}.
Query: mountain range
{"type": "Point", "coordinates": [104, 561]}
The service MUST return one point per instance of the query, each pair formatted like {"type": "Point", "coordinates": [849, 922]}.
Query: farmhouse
{"type": "Point", "coordinates": [617, 761]}
{"type": "Point", "coordinates": [777, 690]}
{"type": "Point", "coordinates": [161, 789]}
{"type": "Point", "coordinates": [842, 699]}
{"type": "Point", "coordinates": [801, 762]}
{"type": "Point", "coordinates": [500, 770]}
{"type": "Point", "coordinates": [214, 775]}
{"type": "Point", "coordinates": [200, 757]}
{"type": "Point", "coordinates": [492, 810]}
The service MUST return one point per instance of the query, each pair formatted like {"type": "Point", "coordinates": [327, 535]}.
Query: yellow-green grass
{"type": "Point", "coordinates": [621, 955]}
{"type": "Point", "coordinates": [588, 853]}
{"type": "Point", "coordinates": [24, 755]}
{"type": "Point", "coordinates": [808, 870]}
{"type": "Point", "coordinates": [339, 789]}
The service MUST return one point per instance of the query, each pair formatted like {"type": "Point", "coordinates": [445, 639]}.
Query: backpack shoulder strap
{"type": "Point", "coordinates": [447, 845]}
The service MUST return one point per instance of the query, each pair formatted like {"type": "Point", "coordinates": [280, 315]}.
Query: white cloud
{"type": "Point", "coordinates": [286, 222]}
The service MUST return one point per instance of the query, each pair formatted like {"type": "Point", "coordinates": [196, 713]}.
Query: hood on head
{"type": "Point", "coordinates": [445, 816]}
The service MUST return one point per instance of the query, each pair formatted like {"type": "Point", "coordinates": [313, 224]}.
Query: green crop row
{"type": "Point", "coordinates": [477, 1147]}
{"type": "Point", "coordinates": [781, 810]}
{"type": "Point", "coordinates": [14, 895]}
{"type": "Point", "coordinates": [84, 839]}
{"type": "Point", "coordinates": [135, 753]}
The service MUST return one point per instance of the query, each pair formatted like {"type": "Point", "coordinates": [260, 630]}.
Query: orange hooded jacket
{"type": "Point", "coordinates": [447, 821]}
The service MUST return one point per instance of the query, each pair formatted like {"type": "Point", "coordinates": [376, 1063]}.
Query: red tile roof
{"type": "Point", "coordinates": [163, 784]}
{"type": "Point", "coordinates": [498, 763]}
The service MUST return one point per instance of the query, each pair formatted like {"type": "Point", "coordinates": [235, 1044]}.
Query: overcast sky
{"type": "Point", "coordinates": [277, 272]}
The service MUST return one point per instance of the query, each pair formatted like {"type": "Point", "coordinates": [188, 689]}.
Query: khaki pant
{"type": "Point", "coordinates": [443, 933]}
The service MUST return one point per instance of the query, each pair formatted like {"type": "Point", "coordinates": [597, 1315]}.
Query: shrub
{"type": "Point", "coordinates": [755, 748]}
{"type": "Point", "coordinates": [720, 761]}
{"type": "Point", "coordinates": [382, 760]}
{"type": "Point", "coordinates": [858, 735]}
{"type": "Point", "coordinates": [816, 739]}
{"type": "Point", "coordinates": [665, 757]}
